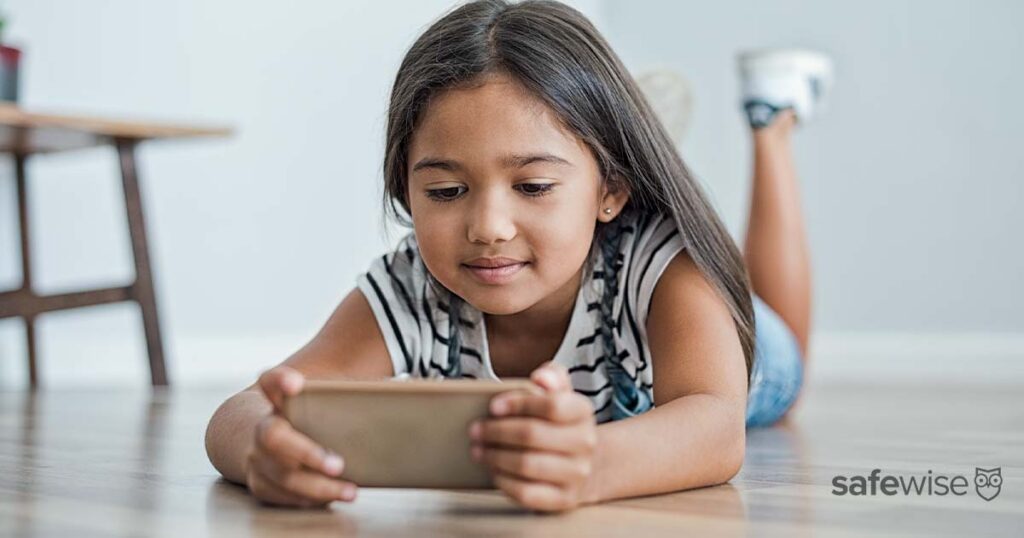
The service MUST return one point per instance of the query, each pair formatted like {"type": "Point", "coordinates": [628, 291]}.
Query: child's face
{"type": "Point", "coordinates": [471, 148]}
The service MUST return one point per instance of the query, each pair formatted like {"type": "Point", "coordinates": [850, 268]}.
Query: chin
{"type": "Point", "coordinates": [497, 302]}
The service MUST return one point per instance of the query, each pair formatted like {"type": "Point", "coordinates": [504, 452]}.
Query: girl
{"type": "Point", "coordinates": [558, 235]}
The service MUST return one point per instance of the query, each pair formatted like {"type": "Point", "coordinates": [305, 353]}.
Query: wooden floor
{"type": "Point", "coordinates": [130, 463]}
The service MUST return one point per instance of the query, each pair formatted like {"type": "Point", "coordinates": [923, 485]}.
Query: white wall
{"type": "Point", "coordinates": [911, 180]}
{"type": "Point", "coordinates": [254, 239]}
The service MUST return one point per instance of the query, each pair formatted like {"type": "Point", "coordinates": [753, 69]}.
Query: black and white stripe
{"type": "Point", "coordinates": [414, 319]}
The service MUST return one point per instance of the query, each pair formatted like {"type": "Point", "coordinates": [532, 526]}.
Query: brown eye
{"type": "Point", "coordinates": [444, 195]}
{"type": "Point", "coordinates": [536, 189]}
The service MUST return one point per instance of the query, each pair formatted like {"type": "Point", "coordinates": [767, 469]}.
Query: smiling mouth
{"type": "Point", "coordinates": [496, 275]}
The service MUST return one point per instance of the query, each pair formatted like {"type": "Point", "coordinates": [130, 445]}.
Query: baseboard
{"type": "Point", "coordinates": [235, 360]}
{"type": "Point", "coordinates": [84, 361]}
{"type": "Point", "coordinates": [953, 357]}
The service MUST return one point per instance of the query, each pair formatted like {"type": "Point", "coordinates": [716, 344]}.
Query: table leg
{"type": "Point", "coordinates": [143, 289]}
{"type": "Point", "coordinates": [26, 264]}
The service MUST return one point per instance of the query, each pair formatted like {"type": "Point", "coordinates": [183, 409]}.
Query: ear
{"type": "Point", "coordinates": [614, 195]}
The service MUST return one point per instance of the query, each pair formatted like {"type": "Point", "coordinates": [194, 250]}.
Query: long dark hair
{"type": "Point", "coordinates": [558, 55]}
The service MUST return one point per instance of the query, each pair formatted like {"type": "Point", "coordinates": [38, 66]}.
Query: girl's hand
{"type": "Point", "coordinates": [540, 448]}
{"type": "Point", "coordinates": [285, 467]}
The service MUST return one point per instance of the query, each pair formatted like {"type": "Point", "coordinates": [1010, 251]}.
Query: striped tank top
{"type": "Point", "coordinates": [413, 316]}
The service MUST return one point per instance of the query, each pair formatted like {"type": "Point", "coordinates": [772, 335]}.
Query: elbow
{"type": "Point", "coordinates": [220, 443]}
{"type": "Point", "coordinates": [733, 450]}
{"type": "Point", "coordinates": [733, 461]}
{"type": "Point", "coordinates": [211, 440]}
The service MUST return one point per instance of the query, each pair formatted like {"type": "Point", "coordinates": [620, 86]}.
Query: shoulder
{"type": "Point", "coordinates": [393, 287]}
{"type": "Point", "coordinates": [653, 242]}
{"type": "Point", "coordinates": [692, 336]}
{"type": "Point", "coordinates": [652, 233]}
{"type": "Point", "coordinates": [399, 264]}
{"type": "Point", "coordinates": [395, 277]}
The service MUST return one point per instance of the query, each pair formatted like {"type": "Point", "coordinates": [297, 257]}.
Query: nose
{"type": "Point", "coordinates": [491, 218]}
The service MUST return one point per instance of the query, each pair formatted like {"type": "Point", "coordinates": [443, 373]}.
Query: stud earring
{"type": "Point", "coordinates": [607, 211]}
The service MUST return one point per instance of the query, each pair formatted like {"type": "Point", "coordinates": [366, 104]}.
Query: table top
{"type": "Point", "coordinates": [27, 132]}
{"type": "Point", "coordinates": [133, 463]}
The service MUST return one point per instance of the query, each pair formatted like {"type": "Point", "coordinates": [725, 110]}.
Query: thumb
{"type": "Point", "coordinates": [552, 377]}
{"type": "Point", "coordinates": [279, 382]}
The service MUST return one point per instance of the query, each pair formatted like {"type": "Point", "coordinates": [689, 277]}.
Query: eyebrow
{"type": "Point", "coordinates": [507, 161]}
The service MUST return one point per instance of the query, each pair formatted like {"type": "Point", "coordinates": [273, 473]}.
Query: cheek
{"type": "Point", "coordinates": [561, 244]}
{"type": "Point", "coordinates": [566, 228]}
{"type": "Point", "coordinates": [438, 242]}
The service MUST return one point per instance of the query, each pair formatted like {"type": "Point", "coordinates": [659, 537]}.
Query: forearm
{"type": "Point", "coordinates": [230, 432]}
{"type": "Point", "coordinates": [693, 441]}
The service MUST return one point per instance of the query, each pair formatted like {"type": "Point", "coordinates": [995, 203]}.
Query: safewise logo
{"type": "Point", "coordinates": [987, 484]}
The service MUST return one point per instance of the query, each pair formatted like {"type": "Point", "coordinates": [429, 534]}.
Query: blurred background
{"type": "Point", "coordinates": [912, 179]}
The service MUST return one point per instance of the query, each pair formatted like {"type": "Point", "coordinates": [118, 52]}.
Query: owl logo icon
{"type": "Point", "coordinates": [988, 482]}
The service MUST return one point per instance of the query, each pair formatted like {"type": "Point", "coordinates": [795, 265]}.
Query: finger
{"type": "Point", "coordinates": [305, 483]}
{"type": "Point", "coordinates": [552, 377]}
{"type": "Point", "coordinates": [536, 434]}
{"type": "Point", "coordinates": [279, 382]}
{"type": "Point", "coordinates": [266, 491]}
{"type": "Point", "coordinates": [535, 466]}
{"type": "Point", "coordinates": [535, 495]}
{"type": "Point", "coordinates": [277, 438]}
{"type": "Point", "coordinates": [562, 407]}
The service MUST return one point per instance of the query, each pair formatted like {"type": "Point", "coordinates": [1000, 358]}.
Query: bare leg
{"type": "Point", "coordinates": [775, 247]}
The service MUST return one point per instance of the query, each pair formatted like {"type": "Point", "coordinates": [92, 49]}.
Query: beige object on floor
{"type": "Point", "coordinates": [671, 97]}
{"type": "Point", "coordinates": [400, 433]}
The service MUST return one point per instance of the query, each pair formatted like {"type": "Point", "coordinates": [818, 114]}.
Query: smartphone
{"type": "Point", "coordinates": [400, 433]}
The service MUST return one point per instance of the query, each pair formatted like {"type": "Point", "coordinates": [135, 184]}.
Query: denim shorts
{"type": "Point", "coordinates": [774, 383]}
{"type": "Point", "coordinates": [778, 368]}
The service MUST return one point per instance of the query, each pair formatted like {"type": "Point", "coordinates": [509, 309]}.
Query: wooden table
{"type": "Point", "coordinates": [23, 134]}
{"type": "Point", "coordinates": [106, 463]}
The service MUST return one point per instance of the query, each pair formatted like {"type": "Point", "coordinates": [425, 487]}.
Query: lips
{"type": "Point", "coordinates": [494, 270]}
{"type": "Point", "coordinates": [493, 262]}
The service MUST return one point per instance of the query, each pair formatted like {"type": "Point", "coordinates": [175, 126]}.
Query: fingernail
{"type": "Point", "coordinates": [476, 452]}
{"type": "Point", "coordinates": [348, 492]}
{"type": "Point", "coordinates": [499, 406]}
{"type": "Point", "coordinates": [332, 464]}
{"type": "Point", "coordinates": [474, 430]}
{"type": "Point", "coordinates": [291, 383]}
